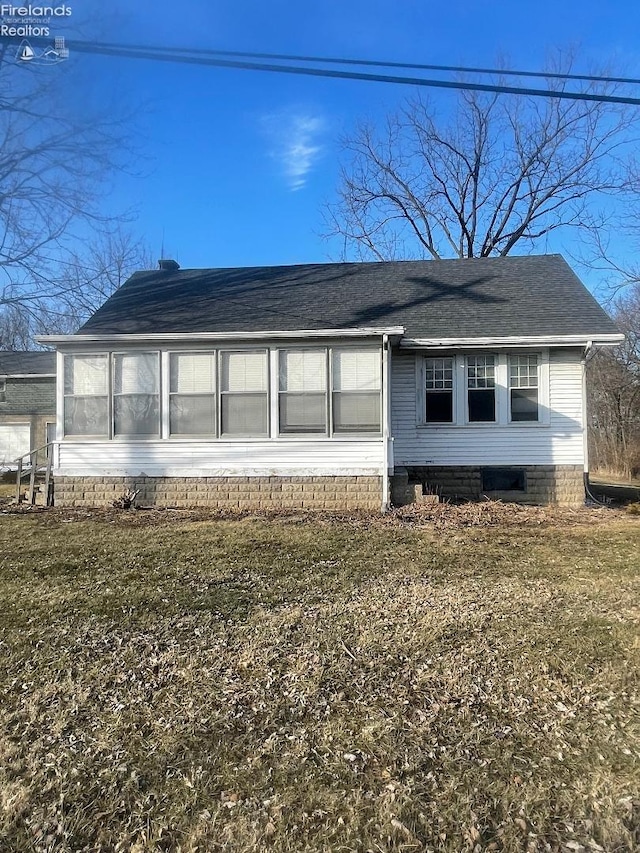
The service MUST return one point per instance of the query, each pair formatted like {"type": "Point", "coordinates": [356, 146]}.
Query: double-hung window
{"type": "Point", "coordinates": [86, 395]}
{"type": "Point", "coordinates": [244, 393]}
{"type": "Point", "coordinates": [438, 374]}
{"type": "Point", "coordinates": [481, 388]}
{"type": "Point", "coordinates": [523, 387]}
{"type": "Point", "coordinates": [192, 390]}
{"type": "Point", "coordinates": [136, 394]}
{"type": "Point", "coordinates": [303, 391]}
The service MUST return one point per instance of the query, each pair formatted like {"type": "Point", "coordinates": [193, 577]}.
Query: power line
{"type": "Point", "coordinates": [160, 55]}
{"type": "Point", "coordinates": [94, 47]}
{"type": "Point", "coordinates": [462, 69]}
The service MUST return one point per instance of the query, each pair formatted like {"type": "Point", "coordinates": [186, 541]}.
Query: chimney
{"type": "Point", "coordinates": [168, 265]}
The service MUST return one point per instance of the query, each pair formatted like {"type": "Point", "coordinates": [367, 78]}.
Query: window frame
{"type": "Point", "coordinates": [328, 407]}
{"type": "Point", "coordinates": [426, 391]}
{"type": "Point", "coordinates": [178, 436]}
{"type": "Point", "coordinates": [112, 396]}
{"type": "Point", "coordinates": [510, 388]}
{"type": "Point", "coordinates": [3, 389]}
{"type": "Point", "coordinates": [222, 436]}
{"type": "Point", "coordinates": [100, 436]}
{"type": "Point", "coordinates": [501, 389]}
{"type": "Point", "coordinates": [330, 432]}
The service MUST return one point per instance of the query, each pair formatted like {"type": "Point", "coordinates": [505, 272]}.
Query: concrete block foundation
{"type": "Point", "coordinates": [331, 493]}
{"type": "Point", "coordinates": [543, 484]}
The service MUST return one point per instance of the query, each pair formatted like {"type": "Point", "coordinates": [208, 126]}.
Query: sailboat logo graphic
{"type": "Point", "coordinates": [25, 51]}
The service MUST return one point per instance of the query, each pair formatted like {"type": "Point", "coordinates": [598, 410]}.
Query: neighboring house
{"type": "Point", "coordinates": [27, 403]}
{"type": "Point", "coordinates": [329, 385]}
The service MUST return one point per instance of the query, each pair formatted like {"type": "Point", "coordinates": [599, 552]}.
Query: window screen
{"type": "Point", "coordinates": [303, 391]}
{"type": "Point", "coordinates": [86, 395]}
{"type": "Point", "coordinates": [192, 386]}
{"type": "Point", "coordinates": [244, 393]}
{"type": "Point", "coordinates": [136, 398]}
{"type": "Point", "coordinates": [356, 390]}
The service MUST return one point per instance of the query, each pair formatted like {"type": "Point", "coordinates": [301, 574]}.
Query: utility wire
{"type": "Point", "coordinates": [192, 59]}
{"type": "Point", "coordinates": [462, 69]}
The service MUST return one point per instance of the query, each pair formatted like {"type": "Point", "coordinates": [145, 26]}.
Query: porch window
{"type": "Point", "coordinates": [86, 396]}
{"type": "Point", "coordinates": [244, 393]}
{"type": "Point", "coordinates": [356, 390]}
{"type": "Point", "coordinates": [192, 388]}
{"type": "Point", "coordinates": [438, 390]}
{"type": "Point", "coordinates": [303, 391]}
{"type": "Point", "coordinates": [136, 397]}
{"type": "Point", "coordinates": [523, 387]}
{"type": "Point", "coordinates": [481, 388]}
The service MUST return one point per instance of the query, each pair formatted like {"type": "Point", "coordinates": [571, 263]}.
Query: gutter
{"type": "Point", "coordinates": [169, 337]}
{"type": "Point", "coordinates": [512, 341]}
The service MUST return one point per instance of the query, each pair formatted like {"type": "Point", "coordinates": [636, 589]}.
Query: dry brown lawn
{"type": "Point", "coordinates": [452, 679]}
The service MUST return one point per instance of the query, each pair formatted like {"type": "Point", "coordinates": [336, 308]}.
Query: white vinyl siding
{"type": "Point", "coordinates": [200, 458]}
{"type": "Point", "coordinates": [86, 401]}
{"type": "Point", "coordinates": [556, 439]}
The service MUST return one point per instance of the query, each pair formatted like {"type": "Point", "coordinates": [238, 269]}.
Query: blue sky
{"type": "Point", "coordinates": [236, 165]}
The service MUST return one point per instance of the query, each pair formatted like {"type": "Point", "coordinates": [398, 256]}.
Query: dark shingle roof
{"type": "Point", "coordinates": [530, 295]}
{"type": "Point", "coordinates": [13, 363]}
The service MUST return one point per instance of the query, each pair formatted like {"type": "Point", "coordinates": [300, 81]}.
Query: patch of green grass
{"type": "Point", "coordinates": [312, 684]}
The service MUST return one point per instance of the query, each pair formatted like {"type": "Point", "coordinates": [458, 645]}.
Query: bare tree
{"type": "Point", "coordinates": [500, 171]}
{"type": "Point", "coordinates": [614, 394]}
{"type": "Point", "coordinates": [84, 281]}
{"type": "Point", "coordinates": [58, 152]}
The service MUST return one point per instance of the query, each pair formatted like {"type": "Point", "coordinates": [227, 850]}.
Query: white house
{"type": "Point", "coordinates": [330, 385]}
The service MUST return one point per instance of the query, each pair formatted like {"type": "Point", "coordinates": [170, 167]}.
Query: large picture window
{"type": "Point", "coordinates": [356, 390]}
{"type": "Point", "coordinates": [438, 390]}
{"type": "Point", "coordinates": [244, 394]}
{"type": "Point", "coordinates": [481, 388]}
{"type": "Point", "coordinates": [86, 400]}
{"type": "Point", "coordinates": [523, 387]}
{"type": "Point", "coordinates": [192, 389]}
{"type": "Point", "coordinates": [136, 397]}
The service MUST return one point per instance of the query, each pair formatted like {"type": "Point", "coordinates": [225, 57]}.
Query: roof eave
{"type": "Point", "coordinates": [507, 341]}
{"type": "Point", "coordinates": [174, 337]}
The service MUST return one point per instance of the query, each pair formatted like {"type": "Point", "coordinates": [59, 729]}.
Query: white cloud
{"type": "Point", "coordinates": [295, 143]}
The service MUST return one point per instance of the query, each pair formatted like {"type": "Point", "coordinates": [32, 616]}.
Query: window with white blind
{"type": "Point", "coordinates": [192, 393]}
{"type": "Point", "coordinates": [356, 395]}
{"type": "Point", "coordinates": [244, 398]}
{"type": "Point", "coordinates": [303, 391]}
{"type": "Point", "coordinates": [523, 387]}
{"type": "Point", "coordinates": [86, 395]}
{"type": "Point", "coordinates": [136, 396]}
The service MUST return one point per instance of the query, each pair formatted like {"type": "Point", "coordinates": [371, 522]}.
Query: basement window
{"type": "Point", "coordinates": [504, 480]}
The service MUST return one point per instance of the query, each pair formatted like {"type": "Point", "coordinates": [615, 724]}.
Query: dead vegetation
{"type": "Point", "coordinates": [444, 679]}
